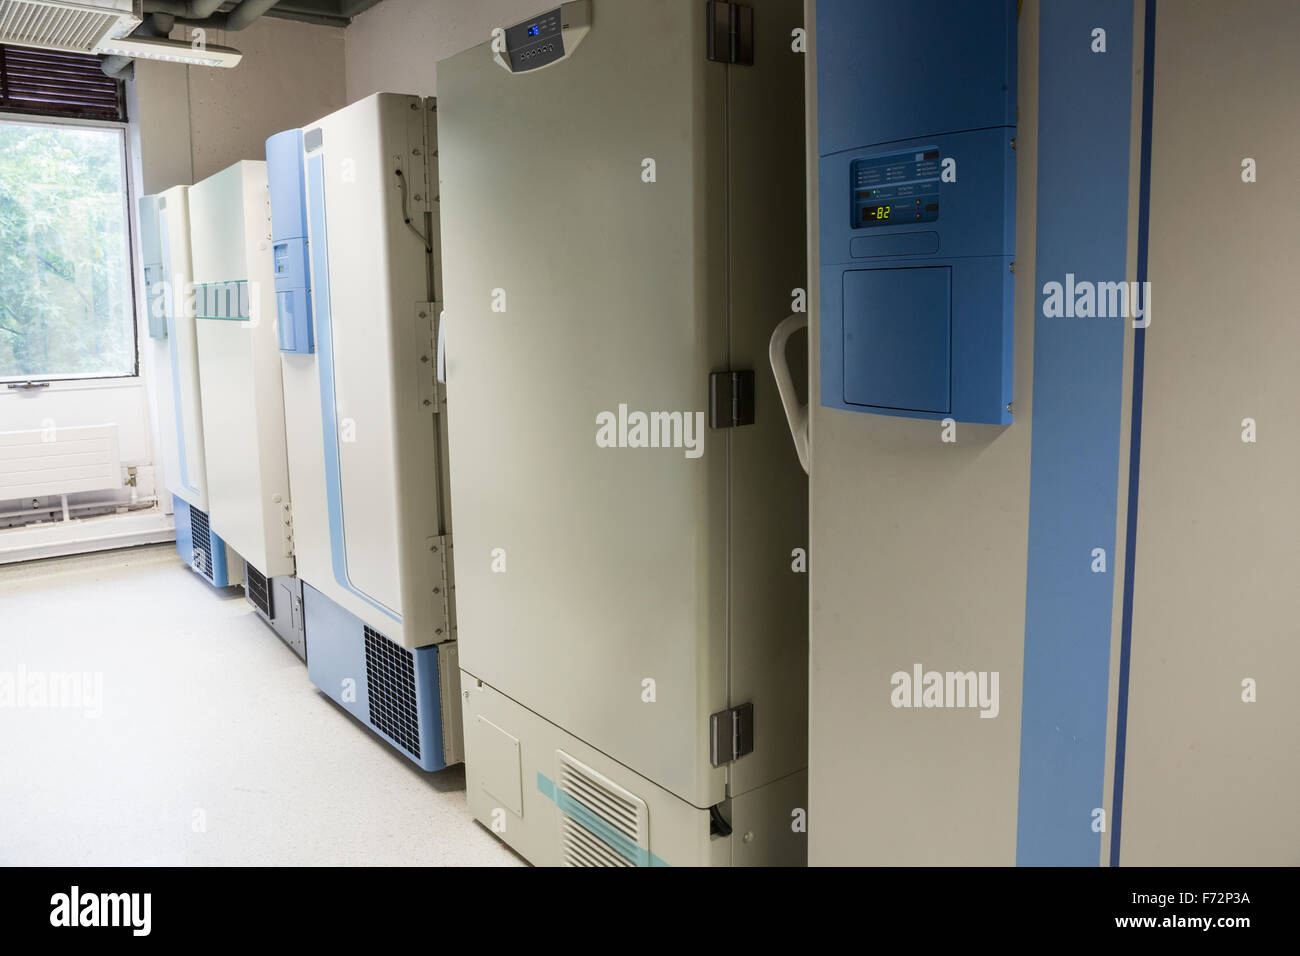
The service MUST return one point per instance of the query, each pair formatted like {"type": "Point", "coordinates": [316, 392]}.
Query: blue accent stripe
{"type": "Point", "coordinates": [617, 841]}
{"type": "Point", "coordinates": [1135, 437]}
{"type": "Point", "coordinates": [170, 312]}
{"type": "Point", "coordinates": [1085, 111]}
{"type": "Point", "coordinates": [328, 405]}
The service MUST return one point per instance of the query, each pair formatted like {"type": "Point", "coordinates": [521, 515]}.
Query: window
{"type": "Point", "coordinates": [66, 297]}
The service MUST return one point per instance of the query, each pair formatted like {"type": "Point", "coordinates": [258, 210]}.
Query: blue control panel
{"type": "Point", "coordinates": [895, 189]}
{"type": "Point", "coordinates": [284, 169]}
{"type": "Point", "coordinates": [917, 208]}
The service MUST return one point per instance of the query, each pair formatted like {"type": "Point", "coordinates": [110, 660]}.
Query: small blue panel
{"type": "Point", "coordinates": [151, 255]}
{"type": "Point", "coordinates": [970, 233]}
{"type": "Point", "coordinates": [916, 128]}
{"type": "Point", "coordinates": [287, 178]}
{"type": "Point", "coordinates": [897, 331]}
{"type": "Point", "coordinates": [1083, 191]}
{"type": "Point", "coordinates": [184, 530]}
{"type": "Point", "coordinates": [899, 69]}
{"type": "Point", "coordinates": [337, 664]}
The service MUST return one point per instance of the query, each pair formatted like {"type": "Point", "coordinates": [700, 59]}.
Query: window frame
{"type": "Point", "coordinates": [122, 127]}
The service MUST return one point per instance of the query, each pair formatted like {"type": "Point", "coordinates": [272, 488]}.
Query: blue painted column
{"type": "Point", "coordinates": [1083, 184]}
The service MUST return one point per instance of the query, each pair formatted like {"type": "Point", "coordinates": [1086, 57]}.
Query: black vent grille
{"type": "Point", "coordinates": [201, 534]}
{"type": "Point", "coordinates": [258, 591]}
{"type": "Point", "coordinates": [54, 83]}
{"type": "Point", "coordinates": [390, 684]}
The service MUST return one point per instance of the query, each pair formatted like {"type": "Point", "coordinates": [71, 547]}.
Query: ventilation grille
{"type": "Point", "coordinates": [74, 27]}
{"type": "Point", "coordinates": [258, 592]}
{"type": "Point", "coordinates": [51, 83]}
{"type": "Point", "coordinates": [390, 684]}
{"type": "Point", "coordinates": [584, 848]}
{"type": "Point", "coordinates": [201, 534]}
{"type": "Point", "coordinates": [614, 830]}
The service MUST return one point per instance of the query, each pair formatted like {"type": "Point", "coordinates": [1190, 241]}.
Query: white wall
{"type": "Point", "coordinates": [1211, 780]}
{"type": "Point", "coordinates": [196, 121]}
{"type": "Point", "coordinates": [186, 124]}
{"type": "Point", "coordinates": [395, 45]}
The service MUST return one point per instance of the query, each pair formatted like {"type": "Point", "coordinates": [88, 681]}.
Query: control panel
{"type": "Point", "coordinates": [895, 189]}
{"type": "Point", "coordinates": [544, 39]}
{"type": "Point", "coordinates": [284, 167]}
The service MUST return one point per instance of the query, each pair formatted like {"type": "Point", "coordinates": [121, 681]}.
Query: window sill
{"type": "Point", "coordinates": [73, 385]}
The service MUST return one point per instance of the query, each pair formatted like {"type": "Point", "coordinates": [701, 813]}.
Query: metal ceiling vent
{"type": "Point", "coordinates": [80, 27]}
{"type": "Point", "coordinates": [601, 824]}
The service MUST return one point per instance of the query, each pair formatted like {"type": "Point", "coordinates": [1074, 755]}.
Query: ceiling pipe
{"type": "Point", "coordinates": [192, 10]}
{"type": "Point", "coordinates": [236, 19]}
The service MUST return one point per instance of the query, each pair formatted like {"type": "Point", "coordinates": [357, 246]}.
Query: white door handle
{"type": "Point", "coordinates": [795, 413]}
{"type": "Point", "coordinates": [442, 348]}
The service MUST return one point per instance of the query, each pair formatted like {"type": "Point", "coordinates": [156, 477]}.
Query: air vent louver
{"type": "Point", "coordinates": [608, 826]}
{"type": "Point", "coordinates": [60, 25]}
{"type": "Point", "coordinates": [390, 685]}
{"type": "Point", "coordinates": [201, 534]}
{"type": "Point", "coordinates": [259, 592]}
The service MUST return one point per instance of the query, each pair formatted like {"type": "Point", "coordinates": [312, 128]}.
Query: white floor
{"type": "Point", "coordinates": [211, 746]}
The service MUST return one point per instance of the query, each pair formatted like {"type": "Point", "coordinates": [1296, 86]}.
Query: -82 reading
{"type": "Point", "coordinates": [878, 213]}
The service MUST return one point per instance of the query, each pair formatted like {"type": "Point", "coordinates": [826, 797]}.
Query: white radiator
{"type": "Point", "coordinates": [59, 461]}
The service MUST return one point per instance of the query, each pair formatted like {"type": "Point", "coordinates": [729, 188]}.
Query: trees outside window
{"type": "Point", "coordinates": [66, 298]}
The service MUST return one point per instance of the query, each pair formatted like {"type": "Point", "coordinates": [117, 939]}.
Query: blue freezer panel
{"type": "Point", "coordinates": [391, 689]}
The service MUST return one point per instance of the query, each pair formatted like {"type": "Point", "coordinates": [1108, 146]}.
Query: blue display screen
{"type": "Point", "coordinates": [534, 30]}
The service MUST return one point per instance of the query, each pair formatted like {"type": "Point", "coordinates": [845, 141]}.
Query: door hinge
{"type": "Point", "coordinates": [432, 394]}
{"type": "Point", "coordinates": [731, 734]}
{"type": "Point", "coordinates": [731, 399]}
{"type": "Point", "coordinates": [731, 33]}
{"type": "Point", "coordinates": [444, 594]}
{"type": "Point", "coordinates": [286, 526]}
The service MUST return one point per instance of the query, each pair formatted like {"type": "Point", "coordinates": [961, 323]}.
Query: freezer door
{"type": "Point", "coordinates": [239, 366]}
{"type": "Point", "coordinates": [583, 216]}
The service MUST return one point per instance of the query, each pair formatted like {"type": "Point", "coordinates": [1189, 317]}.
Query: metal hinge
{"type": "Point", "coordinates": [731, 33]}
{"type": "Point", "coordinates": [286, 526]}
{"type": "Point", "coordinates": [444, 596]}
{"type": "Point", "coordinates": [731, 734]}
{"type": "Point", "coordinates": [731, 399]}
{"type": "Point", "coordinates": [432, 394]}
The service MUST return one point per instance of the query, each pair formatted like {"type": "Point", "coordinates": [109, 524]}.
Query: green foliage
{"type": "Point", "coordinates": [65, 268]}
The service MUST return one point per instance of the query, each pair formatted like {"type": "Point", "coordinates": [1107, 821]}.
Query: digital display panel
{"type": "Point", "coordinates": [535, 30]}
{"type": "Point", "coordinates": [876, 213]}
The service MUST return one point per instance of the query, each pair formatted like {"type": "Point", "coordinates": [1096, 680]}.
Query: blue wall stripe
{"type": "Point", "coordinates": [328, 406]}
{"type": "Point", "coordinates": [1135, 437]}
{"type": "Point", "coordinates": [1084, 113]}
